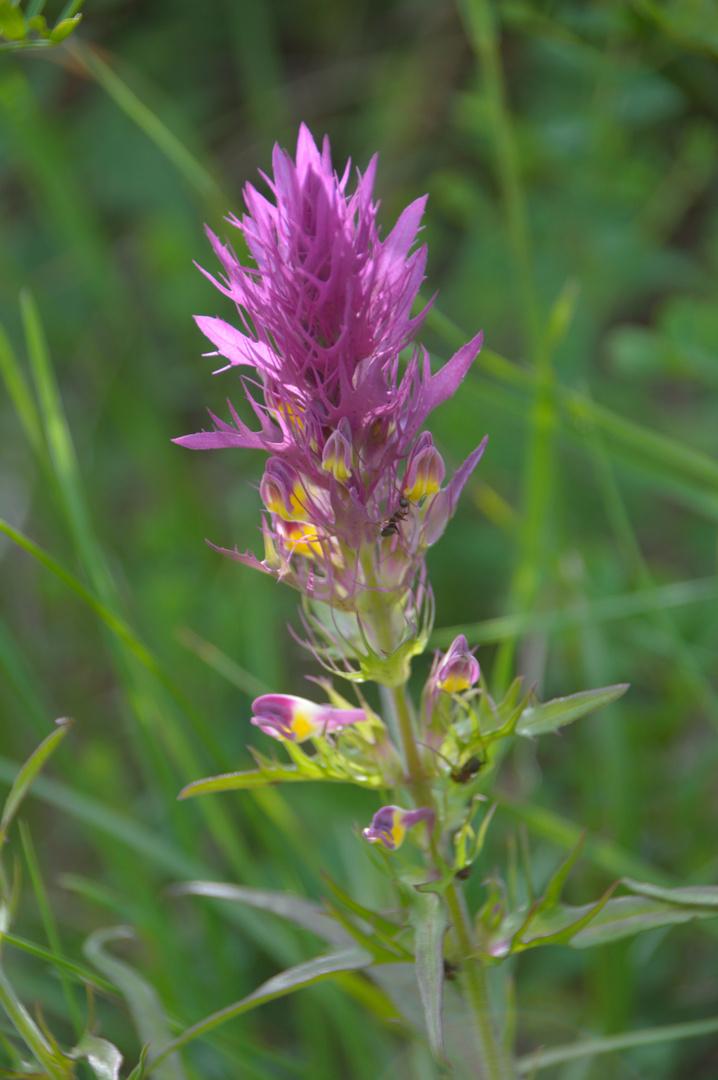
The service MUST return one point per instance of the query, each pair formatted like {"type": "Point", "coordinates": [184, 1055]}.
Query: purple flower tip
{"type": "Point", "coordinates": [389, 825]}
{"type": "Point", "coordinates": [295, 719]}
{"type": "Point", "coordinates": [459, 669]}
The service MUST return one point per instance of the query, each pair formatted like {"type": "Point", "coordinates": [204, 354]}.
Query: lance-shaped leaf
{"type": "Point", "coordinates": [528, 928]}
{"type": "Point", "coordinates": [430, 922]}
{"type": "Point", "coordinates": [552, 715]}
{"type": "Point", "coordinates": [138, 1073]}
{"type": "Point", "coordinates": [271, 771]}
{"type": "Point", "coordinates": [552, 893]}
{"type": "Point", "coordinates": [373, 918]}
{"type": "Point", "coordinates": [103, 1058]}
{"type": "Point", "coordinates": [294, 978]}
{"type": "Point", "coordinates": [611, 919]}
{"type": "Point", "coordinates": [705, 896]}
{"type": "Point", "coordinates": [625, 916]}
{"type": "Point", "coordinates": [22, 782]}
{"type": "Point", "coordinates": [301, 912]}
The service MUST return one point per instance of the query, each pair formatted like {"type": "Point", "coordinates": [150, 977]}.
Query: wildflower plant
{"type": "Point", "coordinates": [355, 492]}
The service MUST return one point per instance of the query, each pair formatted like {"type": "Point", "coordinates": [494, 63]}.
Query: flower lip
{"type": "Point", "coordinates": [295, 719]}
{"type": "Point", "coordinates": [389, 824]}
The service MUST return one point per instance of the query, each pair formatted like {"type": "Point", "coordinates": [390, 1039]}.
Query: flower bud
{"type": "Point", "coordinates": [389, 825]}
{"type": "Point", "coordinates": [282, 492]}
{"type": "Point", "coordinates": [337, 455]}
{"type": "Point", "coordinates": [425, 470]}
{"type": "Point", "coordinates": [459, 669]}
{"type": "Point", "coordinates": [295, 719]}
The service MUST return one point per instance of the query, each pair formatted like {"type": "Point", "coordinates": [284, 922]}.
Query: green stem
{"type": "Point", "coordinates": [495, 1063]}
{"type": "Point", "coordinates": [412, 757]}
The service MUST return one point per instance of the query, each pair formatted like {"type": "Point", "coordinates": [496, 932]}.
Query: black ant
{"type": "Point", "coordinates": [392, 525]}
{"type": "Point", "coordinates": [463, 874]}
{"type": "Point", "coordinates": [466, 772]}
{"type": "Point", "coordinates": [450, 970]}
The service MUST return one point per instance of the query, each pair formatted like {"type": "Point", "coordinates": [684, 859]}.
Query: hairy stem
{"type": "Point", "coordinates": [493, 1058]}
{"type": "Point", "coordinates": [496, 1065]}
{"type": "Point", "coordinates": [412, 758]}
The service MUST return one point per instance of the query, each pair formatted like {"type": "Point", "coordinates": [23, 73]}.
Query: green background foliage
{"type": "Point", "coordinates": [569, 152]}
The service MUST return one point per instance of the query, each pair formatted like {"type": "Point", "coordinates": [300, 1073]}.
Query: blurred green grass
{"type": "Point", "coordinates": [569, 151]}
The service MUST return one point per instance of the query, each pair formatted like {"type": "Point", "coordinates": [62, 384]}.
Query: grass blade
{"type": "Point", "coordinates": [611, 1044]}
{"type": "Point", "coordinates": [313, 971]}
{"type": "Point", "coordinates": [27, 774]}
{"type": "Point", "coordinates": [172, 147]}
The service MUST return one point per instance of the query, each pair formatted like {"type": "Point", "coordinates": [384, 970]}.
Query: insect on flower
{"type": "Point", "coordinates": [392, 525]}
{"type": "Point", "coordinates": [463, 773]}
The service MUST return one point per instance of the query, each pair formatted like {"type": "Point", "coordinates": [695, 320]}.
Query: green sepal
{"type": "Point", "coordinates": [64, 28]}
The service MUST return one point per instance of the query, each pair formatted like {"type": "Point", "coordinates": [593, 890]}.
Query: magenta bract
{"type": "Point", "coordinates": [322, 318]}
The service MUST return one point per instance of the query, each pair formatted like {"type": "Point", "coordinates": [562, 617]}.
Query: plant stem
{"type": "Point", "coordinates": [412, 758]}
{"type": "Point", "coordinates": [495, 1063]}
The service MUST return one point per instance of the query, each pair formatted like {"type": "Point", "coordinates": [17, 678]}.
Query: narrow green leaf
{"type": "Point", "coordinates": [219, 661]}
{"type": "Point", "coordinates": [104, 1058]}
{"type": "Point", "coordinates": [373, 918]}
{"type": "Point", "coordinates": [138, 1072]}
{"type": "Point", "coordinates": [430, 922]}
{"type": "Point", "coordinates": [12, 23]}
{"type": "Point", "coordinates": [628, 915]}
{"type": "Point", "coordinates": [114, 622]}
{"type": "Point", "coordinates": [321, 967]}
{"type": "Point", "coordinates": [703, 896]}
{"type": "Point", "coordinates": [612, 1044]}
{"type": "Point", "coordinates": [147, 1014]}
{"type": "Point", "coordinates": [589, 925]}
{"type": "Point", "coordinates": [383, 948]}
{"type": "Point", "coordinates": [240, 781]}
{"type": "Point", "coordinates": [31, 1034]}
{"type": "Point", "coordinates": [49, 922]}
{"type": "Point", "coordinates": [607, 609]}
{"type": "Point", "coordinates": [70, 9]}
{"type": "Point", "coordinates": [296, 909]}
{"type": "Point", "coordinates": [564, 935]}
{"type": "Point", "coordinates": [20, 394]}
{"type": "Point", "coordinates": [623, 435]}
{"type": "Point", "coordinates": [27, 774]}
{"type": "Point", "coordinates": [552, 894]}
{"type": "Point", "coordinates": [552, 715]}
{"type": "Point", "coordinates": [83, 975]}
{"type": "Point", "coordinates": [153, 127]}
{"type": "Point", "coordinates": [62, 449]}
{"type": "Point", "coordinates": [605, 854]}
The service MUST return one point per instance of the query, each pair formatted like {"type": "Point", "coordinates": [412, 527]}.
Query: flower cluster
{"type": "Point", "coordinates": [352, 488]}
